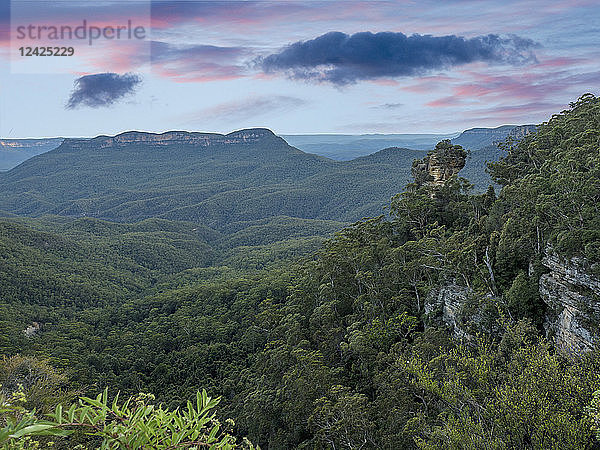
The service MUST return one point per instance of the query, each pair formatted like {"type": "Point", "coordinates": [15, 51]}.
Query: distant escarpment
{"type": "Point", "coordinates": [248, 136]}
{"type": "Point", "coordinates": [14, 151]}
{"type": "Point", "coordinates": [212, 179]}
{"type": "Point", "coordinates": [476, 138]}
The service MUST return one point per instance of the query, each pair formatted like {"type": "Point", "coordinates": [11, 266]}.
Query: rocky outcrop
{"type": "Point", "coordinates": [32, 330]}
{"type": "Point", "coordinates": [443, 305]}
{"type": "Point", "coordinates": [570, 291]}
{"type": "Point", "coordinates": [520, 131]}
{"type": "Point", "coordinates": [443, 167]}
{"type": "Point", "coordinates": [462, 310]}
{"type": "Point", "coordinates": [441, 164]}
{"type": "Point", "coordinates": [572, 295]}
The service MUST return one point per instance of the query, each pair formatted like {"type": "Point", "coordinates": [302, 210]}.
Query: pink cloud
{"type": "Point", "coordinates": [120, 57]}
{"type": "Point", "coordinates": [560, 62]}
{"type": "Point", "coordinates": [198, 63]}
{"type": "Point", "coordinates": [385, 82]}
{"type": "Point", "coordinates": [210, 72]}
{"type": "Point", "coordinates": [428, 84]}
{"type": "Point", "coordinates": [444, 102]}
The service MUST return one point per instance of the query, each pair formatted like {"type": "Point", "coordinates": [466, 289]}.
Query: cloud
{"type": "Point", "coordinates": [240, 110]}
{"type": "Point", "coordinates": [527, 88]}
{"type": "Point", "coordinates": [4, 22]}
{"type": "Point", "coordinates": [445, 102]}
{"type": "Point", "coordinates": [341, 59]}
{"type": "Point", "coordinates": [198, 63]}
{"type": "Point", "coordinates": [166, 14]}
{"type": "Point", "coordinates": [102, 89]}
{"type": "Point", "coordinates": [388, 106]}
{"type": "Point", "coordinates": [528, 97]}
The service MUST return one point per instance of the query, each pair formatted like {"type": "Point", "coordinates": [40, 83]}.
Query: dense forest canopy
{"type": "Point", "coordinates": [349, 348]}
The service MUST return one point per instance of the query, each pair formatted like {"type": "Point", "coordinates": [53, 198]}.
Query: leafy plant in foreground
{"type": "Point", "coordinates": [134, 424]}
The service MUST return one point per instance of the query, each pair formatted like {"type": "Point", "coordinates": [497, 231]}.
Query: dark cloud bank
{"type": "Point", "coordinates": [102, 89]}
{"type": "Point", "coordinates": [341, 59]}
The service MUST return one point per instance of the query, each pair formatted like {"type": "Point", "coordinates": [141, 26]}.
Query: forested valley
{"type": "Point", "coordinates": [438, 324]}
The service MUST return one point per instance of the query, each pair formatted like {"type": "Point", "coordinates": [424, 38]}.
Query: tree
{"type": "Point", "coordinates": [517, 394]}
{"type": "Point", "coordinates": [341, 420]}
{"type": "Point", "coordinates": [594, 413]}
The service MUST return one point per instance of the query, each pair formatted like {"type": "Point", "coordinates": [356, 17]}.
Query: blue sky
{"type": "Point", "coordinates": [298, 67]}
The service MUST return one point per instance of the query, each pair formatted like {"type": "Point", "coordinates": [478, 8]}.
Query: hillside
{"type": "Point", "coordinates": [483, 146]}
{"type": "Point", "coordinates": [14, 151]}
{"type": "Point", "coordinates": [476, 138]}
{"type": "Point", "coordinates": [204, 178]}
{"type": "Point", "coordinates": [344, 147]}
{"type": "Point", "coordinates": [482, 142]}
{"type": "Point", "coordinates": [339, 147]}
{"type": "Point", "coordinates": [459, 317]}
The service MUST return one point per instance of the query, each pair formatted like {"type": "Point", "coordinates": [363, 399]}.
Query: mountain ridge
{"type": "Point", "coordinates": [476, 138]}
{"type": "Point", "coordinates": [15, 151]}
{"type": "Point", "coordinates": [338, 147]}
{"type": "Point", "coordinates": [242, 176]}
{"type": "Point", "coordinates": [204, 139]}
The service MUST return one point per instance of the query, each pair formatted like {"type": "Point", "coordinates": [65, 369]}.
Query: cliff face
{"type": "Point", "coordinates": [572, 295]}
{"type": "Point", "coordinates": [520, 131]}
{"type": "Point", "coordinates": [442, 168]}
{"type": "Point", "coordinates": [443, 305]}
{"type": "Point", "coordinates": [570, 291]}
{"type": "Point", "coordinates": [174, 137]}
{"type": "Point", "coordinates": [27, 144]}
{"type": "Point", "coordinates": [476, 138]}
{"type": "Point", "coordinates": [462, 310]}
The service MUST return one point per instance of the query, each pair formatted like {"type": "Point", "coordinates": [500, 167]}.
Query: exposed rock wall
{"type": "Point", "coordinates": [462, 310]}
{"type": "Point", "coordinates": [174, 137]}
{"type": "Point", "coordinates": [442, 305]}
{"type": "Point", "coordinates": [572, 295]}
{"type": "Point", "coordinates": [570, 291]}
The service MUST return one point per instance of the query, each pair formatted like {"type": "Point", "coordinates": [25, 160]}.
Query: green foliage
{"type": "Point", "coordinates": [551, 181]}
{"type": "Point", "coordinates": [17, 424]}
{"type": "Point", "coordinates": [40, 386]}
{"type": "Point", "coordinates": [517, 395]}
{"type": "Point", "coordinates": [338, 349]}
{"type": "Point", "coordinates": [523, 298]}
{"type": "Point", "coordinates": [593, 411]}
{"type": "Point", "coordinates": [341, 420]}
{"type": "Point", "coordinates": [135, 424]}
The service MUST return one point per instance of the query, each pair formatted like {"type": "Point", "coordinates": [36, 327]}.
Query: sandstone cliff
{"type": "Point", "coordinates": [174, 138]}
{"type": "Point", "coordinates": [443, 305]}
{"type": "Point", "coordinates": [572, 295]}
{"type": "Point", "coordinates": [462, 310]}
{"type": "Point", "coordinates": [570, 291]}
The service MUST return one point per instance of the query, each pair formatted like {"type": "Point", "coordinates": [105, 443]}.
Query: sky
{"type": "Point", "coordinates": [337, 66]}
